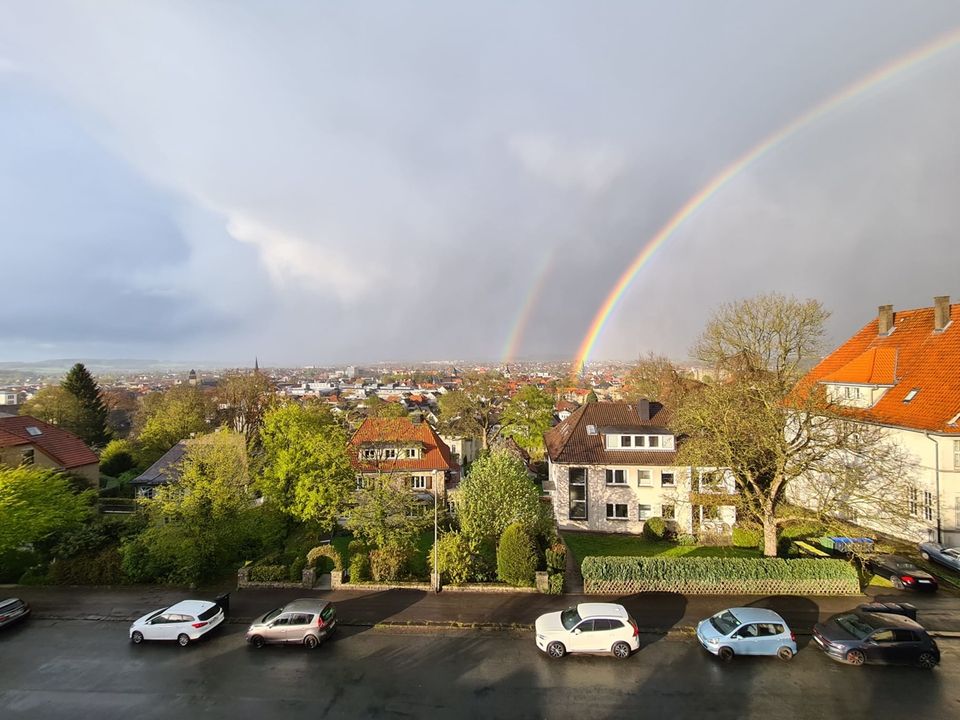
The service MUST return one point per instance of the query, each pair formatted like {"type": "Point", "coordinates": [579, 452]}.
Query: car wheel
{"type": "Point", "coordinates": [311, 642]}
{"type": "Point", "coordinates": [785, 653]}
{"type": "Point", "coordinates": [183, 639]}
{"type": "Point", "coordinates": [556, 650]}
{"type": "Point", "coordinates": [725, 653]}
{"type": "Point", "coordinates": [856, 657]}
{"type": "Point", "coordinates": [257, 641]}
{"type": "Point", "coordinates": [927, 661]}
{"type": "Point", "coordinates": [621, 650]}
{"type": "Point", "coordinates": [896, 582]}
{"type": "Point", "coordinates": [925, 556]}
{"type": "Point", "coordinates": [136, 638]}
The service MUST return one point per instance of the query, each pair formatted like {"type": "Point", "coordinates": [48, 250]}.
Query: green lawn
{"type": "Point", "coordinates": [599, 544]}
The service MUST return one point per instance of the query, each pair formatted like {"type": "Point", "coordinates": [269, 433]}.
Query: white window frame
{"type": "Point", "coordinates": [615, 476]}
{"type": "Point", "coordinates": [644, 514]}
{"type": "Point", "coordinates": [644, 481]}
{"type": "Point", "coordinates": [626, 441]}
{"type": "Point", "coordinates": [672, 483]}
{"type": "Point", "coordinates": [418, 482]}
{"type": "Point", "coordinates": [612, 507]}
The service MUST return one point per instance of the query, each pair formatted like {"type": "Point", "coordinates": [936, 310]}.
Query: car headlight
{"type": "Point", "coordinates": [714, 641]}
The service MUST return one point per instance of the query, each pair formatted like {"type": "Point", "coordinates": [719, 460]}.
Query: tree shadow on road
{"type": "Point", "coordinates": [801, 613]}
{"type": "Point", "coordinates": [656, 612]}
{"type": "Point", "coordinates": [367, 610]}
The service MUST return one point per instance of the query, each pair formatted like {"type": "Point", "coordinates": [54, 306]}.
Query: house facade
{"type": "Point", "coordinates": [409, 453]}
{"type": "Point", "coordinates": [164, 471]}
{"type": "Point", "coordinates": [901, 372]}
{"type": "Point", "coordinates": [613, 465]}
{"type": "Point", "coordinates": [24, 440]}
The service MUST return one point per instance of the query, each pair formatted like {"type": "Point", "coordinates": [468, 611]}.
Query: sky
{"type": "Point", "coordinates": [328, 183]}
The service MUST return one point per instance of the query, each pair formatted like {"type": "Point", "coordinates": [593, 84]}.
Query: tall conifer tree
{"type": "Point", "coordinates": [91, 424]}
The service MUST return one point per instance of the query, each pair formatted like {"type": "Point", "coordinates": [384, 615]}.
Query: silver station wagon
{"type": "Point", "coordinates": [306, 622]}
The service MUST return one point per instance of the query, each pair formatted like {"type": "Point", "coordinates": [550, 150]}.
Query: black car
{"type": "Point", "coordinates": [864, 637]}
{"type": "Point", "coordinates": [902, 573]}
{"type": "Point", "coordinates": [13, 610]}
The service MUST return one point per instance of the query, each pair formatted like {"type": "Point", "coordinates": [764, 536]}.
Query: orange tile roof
{"type": "Point", "coordinates": [435, 455]}
{"type": "Point", "coordinates": [64, 447]}
{"type": "Point", "coordinates": [911, 356]}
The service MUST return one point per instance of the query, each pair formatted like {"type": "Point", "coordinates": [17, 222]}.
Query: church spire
{"type": "Point", "coordinates": [256, 364]}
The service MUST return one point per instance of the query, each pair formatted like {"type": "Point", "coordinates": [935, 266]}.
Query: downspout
{"type": "Point", "coordinates": [936, 470]}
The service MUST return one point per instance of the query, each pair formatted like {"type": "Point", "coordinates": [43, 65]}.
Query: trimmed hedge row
{"type": "Point", "coordinates": [707, 576]}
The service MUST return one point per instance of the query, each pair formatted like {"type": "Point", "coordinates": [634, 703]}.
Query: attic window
{"type": "Point", "coordinates": [34, 430]}
{"type": "Point", "coordinates": [911, 395]}
{"type": "Point", "coordinates": [591, 429]}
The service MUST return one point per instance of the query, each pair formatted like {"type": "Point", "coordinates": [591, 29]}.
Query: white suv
{"type": "Point", "coordinates": [588, 628]}
{"type": "Point", "coordinates": [184, 622]}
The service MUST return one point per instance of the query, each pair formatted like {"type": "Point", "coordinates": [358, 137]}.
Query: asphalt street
{"type": "Point", "coordinates": [80, 669]}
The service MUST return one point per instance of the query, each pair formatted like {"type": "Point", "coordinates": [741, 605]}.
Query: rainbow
{"type": "Point", "coordinates": [526, 308]}
{"type": "Point", "coordinates": [887, 72]}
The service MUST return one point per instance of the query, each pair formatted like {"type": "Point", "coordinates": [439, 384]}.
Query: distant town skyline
{"type": "Point", "coordinates": [325, 185]}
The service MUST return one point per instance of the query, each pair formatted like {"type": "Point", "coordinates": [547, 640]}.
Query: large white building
{"type": "Point", "coordinates": [613, 465]}
{"type": "Point", "coordinates": [902, 372]}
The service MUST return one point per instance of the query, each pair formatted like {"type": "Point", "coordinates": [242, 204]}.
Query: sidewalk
{"type": "Point", "coordinates": [654, 612]}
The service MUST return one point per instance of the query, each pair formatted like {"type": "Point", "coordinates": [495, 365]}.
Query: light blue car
{"type": "Point", "coordinates": [747, 631]}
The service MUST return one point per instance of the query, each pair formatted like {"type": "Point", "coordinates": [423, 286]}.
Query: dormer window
{"type": "Point", "coordinates": [625, 440]}
{"type": "Point", "coordinates": [911, 395]}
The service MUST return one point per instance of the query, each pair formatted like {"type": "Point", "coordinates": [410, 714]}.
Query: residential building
{"type": "Point", "coordinates": [901, 372]}
{"type": "Point", "coordinates": [463, 450]}
{"type": "Point", "coordinates": [165, 470]}
{"type": "Point", "coordinates": [613, 465]}
{"type": "Point", "coordinates": [410, 453]}
{"type": "Point", "coordinates": [24, 440]}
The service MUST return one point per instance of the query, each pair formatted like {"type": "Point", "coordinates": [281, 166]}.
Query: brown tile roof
{"type": "Point", "coordinates": [64, 447]}
{"type": "Point", "coordinates": [912, 356]}
{"type": "Point", "coordinates": [569, 442]}
{"type": "Point", "coordinates": [385, 431]}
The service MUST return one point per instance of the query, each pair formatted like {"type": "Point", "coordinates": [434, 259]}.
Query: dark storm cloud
{"type": "Point", "coordinates": [318, 183]}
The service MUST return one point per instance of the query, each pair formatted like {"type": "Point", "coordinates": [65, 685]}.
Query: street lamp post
{"type": "Point", "coordinates": [436, 569]}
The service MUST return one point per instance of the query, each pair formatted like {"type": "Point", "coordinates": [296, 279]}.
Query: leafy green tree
{"type": "Point", "coordinates": [454, 558]}
{"type": "Point", "coordinates": [526, 417]}
{"type": "Point", "coordinates": [54, 405]}
{"type": "Point", "coordinates": [306, 465]}
{"type": "Point", "coordinates": [35, 504]}
{"type": "Point", "coordinates": [591, 397]}
{"type": "Point", "coordinates": [497, 492]}
{"type": "Point", "coordinates": [517, 556]}
{"type": "Point", "coordinates": [117, 457]}
{"type": "Point", "coordinates": [246, 397]}
{"type": "Point", "coordinates": [91, 423]}
{"type": "Point", "coordinates": [384, 515]}
{"type": "Point", "coordinates": [474, 410]}
{"type": "Point", "coordinates": [169, 417]}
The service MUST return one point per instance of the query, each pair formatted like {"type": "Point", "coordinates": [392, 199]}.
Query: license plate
{"type": "Point", "coordinates": [923, 582]}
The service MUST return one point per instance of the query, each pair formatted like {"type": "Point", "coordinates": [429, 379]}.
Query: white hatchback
{"type": "Point", "coordinates": [184, 622]}
{"type": "Point", "coordinates": [588, 628]}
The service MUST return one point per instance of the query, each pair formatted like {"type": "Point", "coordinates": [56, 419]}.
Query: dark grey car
{"type": "Point", "coordinates": [865, 637]}
{"type": "Point", "coordinates": [306, 622]}
{"type": "Point", "coordinates": [13, 610]}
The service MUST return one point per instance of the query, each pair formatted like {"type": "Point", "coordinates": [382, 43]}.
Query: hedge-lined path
{"type": "Point", "coordinates": [655, 612]}
{"type": "Point", "coordinates": [573, 582]}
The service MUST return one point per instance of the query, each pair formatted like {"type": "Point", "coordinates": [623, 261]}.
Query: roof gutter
{"type": "Point", "coordinates": [936, 470]}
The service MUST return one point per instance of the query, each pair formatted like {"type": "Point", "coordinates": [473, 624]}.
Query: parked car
{"type": "Point", "coordinates": [13, 610]}
{"type": "Point", "coordinates": [588, 628]}
{"type": "Point", "coordinates": [185, 622]}
{"type": "Point", "coordinates": [747, 631]}
{"type": "Point", "coordinates": [946, 556]}
{"type": "Point", "coordinates": [306, 622]}
{"type": "Point", "coordinates": [865, 637]}
{"type": "Point", "coordinates": [902, 573]}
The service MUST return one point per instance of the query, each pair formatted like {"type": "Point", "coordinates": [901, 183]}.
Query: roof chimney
{"type": "Point", "coordinates": [885, 320]}
{"type": "Point", "coordinates": [643, 409]}
{"type": "Point", "coordinates": [941, 312]}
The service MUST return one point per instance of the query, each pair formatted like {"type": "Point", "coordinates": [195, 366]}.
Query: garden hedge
{"type": "Point", "coordinates": [718, 576]}
{"type": "Point", "coordinates": [269, 573]}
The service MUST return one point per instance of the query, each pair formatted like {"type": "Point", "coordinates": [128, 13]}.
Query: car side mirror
{"type": "Point", "coordinates": [577, 631]}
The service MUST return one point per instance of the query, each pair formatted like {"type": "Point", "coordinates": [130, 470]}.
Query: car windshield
{"type": "Point", "coordinates": [272, 614]}
{"type": "Point", "coordinates": [855, 626]}
{"type": "Point", "coordinates": [725, 622]}
{"type": "Point", "coordinates": [570, 618]}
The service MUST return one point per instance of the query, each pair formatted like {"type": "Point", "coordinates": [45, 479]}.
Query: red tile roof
{"type": "Point", "coordinates": [435, 454]}
{"type": "Point", "coordinates": [911, 356]}
{"type": "Point", "coordinates": [569, 442]}
{"type": "Point", "coordinates": [64, 447]}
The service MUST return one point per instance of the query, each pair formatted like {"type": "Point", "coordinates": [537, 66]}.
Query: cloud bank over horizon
{"type": "Point", "coordinates": [319, 183]}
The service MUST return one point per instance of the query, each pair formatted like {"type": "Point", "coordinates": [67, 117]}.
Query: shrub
{"type": "Point", "coordinates": [686, 540]}
{"type": "Point", "coordinates": [556, 584]}
{"type": "Point", "coordinates": [516, 556]}
{"type": "Point", "coordinates": [103, 568]}
{"type": "Point", "coordinates": [324, 551]}
{"type": "Point", "coordinates": [557, 558]}
{"type": "Point", "coordinates": [117, 458]}
{"type": "Point", "coordinates": [296, 569]}
{"type": "Point", "coordinates": [454, 558]}
{"type": "Point", "coordinates": [655, 529]}
{"type": "Point", "coordinates": [357, 547]}
{"type": "Point", "coordinates": [747, 535]}
{"type": "Point", "coordinates": [359, 566]}
{"type": "Point", "coordinates": [389, 563]}
{"type": "Point", "coordinates": [269, 573]}
{"type": "Point", "coordinates": [702, 574]}
{"type": "Point", "coordinates": [14, 563]}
